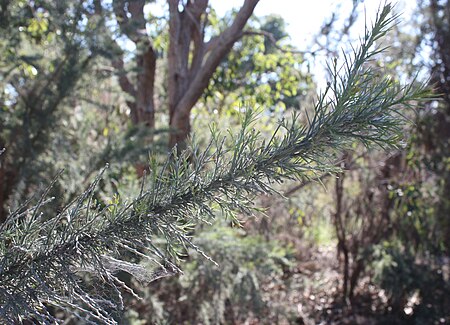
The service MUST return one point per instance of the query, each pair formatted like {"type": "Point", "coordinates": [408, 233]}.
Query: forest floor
{"type": "Point", "coordinates": [312, 293]}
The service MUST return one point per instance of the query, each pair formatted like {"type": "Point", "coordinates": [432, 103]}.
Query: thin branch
{"type": "Point", "coordinates": [124, 81]}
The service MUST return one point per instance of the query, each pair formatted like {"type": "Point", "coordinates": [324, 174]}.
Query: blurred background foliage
{"type": "Point", "coordinates": [368, 247]}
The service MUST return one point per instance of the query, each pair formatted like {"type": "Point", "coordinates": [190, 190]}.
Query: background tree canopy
{"type": "Point", "coordinates": [142, 158]}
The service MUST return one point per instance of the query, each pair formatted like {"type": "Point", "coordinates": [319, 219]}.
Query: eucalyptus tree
{"type": "Point", "coordinates": [191, 58]}
{"type": "Point", "coordinates": [197, 50]}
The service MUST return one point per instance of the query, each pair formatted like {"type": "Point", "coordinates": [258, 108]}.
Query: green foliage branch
{"type": "Point", "coordinates": [43, 257]}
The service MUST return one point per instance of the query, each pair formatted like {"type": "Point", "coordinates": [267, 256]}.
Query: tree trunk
{"type": "Point", "coordinates": [130, 17]}
{"type": "Point", "coordinates": [357, 270]}
{"type": "Point", "coordinates": [192, 61]}
{"type": "Point", "coordinates": [440, 80]}
{"type": "Point", "coordinates": [341, 233]}
{"type": "Point", "coordinates": [145, 106]}
{"type": "Point", "coordinates": [8, 177]}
